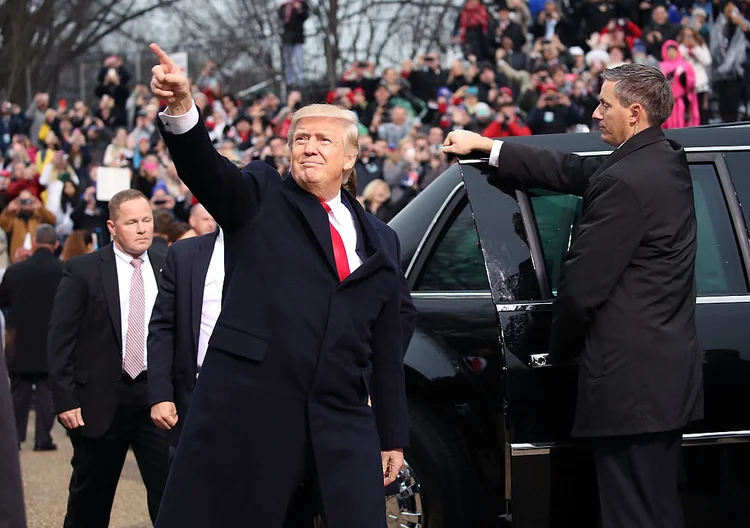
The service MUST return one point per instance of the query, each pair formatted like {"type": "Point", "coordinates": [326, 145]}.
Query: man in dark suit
{"type": "Point", "coordinates": [309, 327]}
{"type": "Point", "coordinates": [184, 316]}
{"type": "Point", "coordinates": [626, 302]}
{"type": "Point", "coordinates": [12, 512]}
{"type": "Point", "coordinates": [97, 359]}
{"type": "Point", "coordinates": [27, 292]}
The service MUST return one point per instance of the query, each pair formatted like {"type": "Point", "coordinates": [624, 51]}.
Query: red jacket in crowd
{"type": "Point", "coordinates": [496, 130]}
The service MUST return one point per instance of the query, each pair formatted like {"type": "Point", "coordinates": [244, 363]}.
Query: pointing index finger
{"type": "Point", "coordinates": [161, 54]}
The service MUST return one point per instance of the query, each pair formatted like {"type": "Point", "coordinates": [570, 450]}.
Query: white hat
{"type": "Point", "coordinates": [597, 55]}
{"type": "Point", "coordinates": [576, 51]}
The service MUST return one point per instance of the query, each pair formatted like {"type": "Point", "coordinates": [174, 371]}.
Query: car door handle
{"type": "Point", "coordinates": [539, 360]}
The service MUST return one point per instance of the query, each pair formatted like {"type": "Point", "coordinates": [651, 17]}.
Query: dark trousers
{"type": "Point", "coordinates": [97, 462]}
{"type": "Point", "coordinates": [638, 480]}
{"type": "Point", "coordinates": [729, 94]}
{"type": "Point", "coordinates": [22, 387]}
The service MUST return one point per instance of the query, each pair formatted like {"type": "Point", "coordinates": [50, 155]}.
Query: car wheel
{"type": "Point", "coordinates": [435, 486]}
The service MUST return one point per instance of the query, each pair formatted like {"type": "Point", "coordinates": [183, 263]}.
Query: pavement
{"type": "Point", "coordinates": [46, 475]}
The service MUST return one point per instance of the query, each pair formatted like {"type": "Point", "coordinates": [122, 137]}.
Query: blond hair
{"type": "Point", "coordinates": [372, 187]}
{"type": "Point", "coordinates": [346, 117]}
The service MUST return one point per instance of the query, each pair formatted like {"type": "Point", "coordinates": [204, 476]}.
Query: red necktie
{"type": "Point", "coordinates": [339, 251]}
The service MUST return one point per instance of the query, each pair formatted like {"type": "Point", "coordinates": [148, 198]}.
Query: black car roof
{"type": "Point", "coordinates": [734, 135]}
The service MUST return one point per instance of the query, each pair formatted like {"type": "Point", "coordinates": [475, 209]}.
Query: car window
{"type": "Point", "coordinates": [456, 262]}
{"type": "Point", "coordinates": [718, 266]}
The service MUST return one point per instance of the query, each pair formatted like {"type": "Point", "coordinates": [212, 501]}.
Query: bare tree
{"type": "Point", "coordinates": [382, 31]}
{"type": "Point", "coordinates": [41, 37]}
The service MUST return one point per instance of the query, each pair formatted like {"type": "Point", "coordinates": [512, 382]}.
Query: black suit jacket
{"type": "Point", "coordinates": [12, 514]}
{"type": "Point", "coordinates": [27, 292]}
{"type": "Point", "coordinates": [85, 339]}
{"type": "Point", "coordinates": [175, 325]}
{"type": "Point", "coordinates": [285, 309]}
{"type": "Point", "coordinates": [626, 300]}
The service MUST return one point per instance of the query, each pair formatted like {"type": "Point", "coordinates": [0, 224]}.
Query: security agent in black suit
{"type": "Point", "coordinates": [27, 292]}
{"type": "Point", "coordinates": [175, 344]}
{"type": "Point", "coordinates": [12, 512]}
{"type": "Point", "coordinates": [97, 359]}
{"type": "Point", "coordinates": [300, 342]}
{"type": "Point", "coordinates": [626, 302]}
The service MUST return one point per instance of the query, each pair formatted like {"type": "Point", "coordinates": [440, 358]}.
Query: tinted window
{"type": "Point", "coordinates": [412, 222]}
{"type": "Point", "coordinates": [737, 163]}
{"type": "Point", "coordinates": [456, 263]}
{"type": "Point", "coordinates": [556, 215]}
{"type": "Point", "coordinates": [718, 266]}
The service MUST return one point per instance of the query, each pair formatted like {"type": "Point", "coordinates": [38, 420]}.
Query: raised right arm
{"type": "Point", "coordinates": [231, 196]}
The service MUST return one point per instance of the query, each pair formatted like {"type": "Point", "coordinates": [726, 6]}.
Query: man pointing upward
{"type": "Point", "coordinates": [309, 328]}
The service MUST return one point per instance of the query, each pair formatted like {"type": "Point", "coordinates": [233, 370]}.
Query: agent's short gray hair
{"type": "Point", "coordinates": [346, 117]}
{"type": "Point", "coordinates": [45, 235]}
{"type": "Point", "coordinates": [639, 83]}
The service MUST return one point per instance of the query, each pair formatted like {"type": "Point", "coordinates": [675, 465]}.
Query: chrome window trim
{"type": "Point", "coordinates": [688, 440]}
{"type": "Point", "coordinates": [527, 306]}
{"type": "Point", "coordinates": [727, 148]}
{"type": "Point", "coordinates": [723, 299]}
{"type": "Point", "coordinates": [451, 295]}
{"type": "Point", "coordinates": [430, 227]}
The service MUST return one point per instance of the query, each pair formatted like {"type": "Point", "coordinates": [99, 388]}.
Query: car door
{"type": "Point", "coordinates": [541, 396]}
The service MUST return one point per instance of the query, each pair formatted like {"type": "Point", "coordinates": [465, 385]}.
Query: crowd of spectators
{"type": "Point", "coordinates": [515, 68]}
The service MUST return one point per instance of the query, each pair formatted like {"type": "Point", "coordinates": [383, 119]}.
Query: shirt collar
{"type": "Point", "coordinates": [335, 202]}
{"type": "Point", "coordinates": [120, 254]}
{"type": "Point", "coordinates": [220, 237]}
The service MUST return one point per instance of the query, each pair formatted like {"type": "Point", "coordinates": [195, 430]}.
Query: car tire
{"type": "Point", "coordinates": [443, 470]}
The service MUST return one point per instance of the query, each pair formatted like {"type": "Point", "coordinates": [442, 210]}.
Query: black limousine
{"type": "Point", "coordinates": [489, 416]}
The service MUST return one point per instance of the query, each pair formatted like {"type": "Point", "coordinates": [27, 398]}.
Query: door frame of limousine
{"type": "Point", "coordinates": [546, 470]}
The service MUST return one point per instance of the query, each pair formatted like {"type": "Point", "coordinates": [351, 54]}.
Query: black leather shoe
{"type": "Point", "coordinates": [50, 447]}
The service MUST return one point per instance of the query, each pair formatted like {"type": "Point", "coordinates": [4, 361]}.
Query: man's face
{"type": "Point", "coordinates": [398, 116]}
{"type": "Point", "coordinates": [487, 76]}
{"type": "Point", "coordinates": [436, 136]}
{"type": "Point", "coordinates": [659, 15]}
{"type": "Point", "coordinates": [365, 144]}
{"type": "Point", "coordinates": [26, 199]}
{"type": "Point", "coordinates": [614, 119]}
{"type": "Point", "coordinates": [319, 155]}
{"type": "Point", "coordinates": [201, 221]}
{"type": "Point", "coordinates": [133, 228]}
{"type": "Point", "coordinates": [431, 61]}
{"type": "Point", "coordinates": [559, 78]}
{"type": "Point", "coordinates": [382, 95]}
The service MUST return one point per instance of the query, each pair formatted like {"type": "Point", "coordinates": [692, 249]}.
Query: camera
{"type": "Point", "coordinates": [26, 201]}
{"type": "Point", "coordinates": [160, 201]}
{"type": "Point", "coordinates": [551, 99]}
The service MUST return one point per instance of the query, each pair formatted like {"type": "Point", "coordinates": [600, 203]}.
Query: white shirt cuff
{"type": "Point", "coordinates": [495, 153]}
{"type": "Point", "coordinates": [182, 123]}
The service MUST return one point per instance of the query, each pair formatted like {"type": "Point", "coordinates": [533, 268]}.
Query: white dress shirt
{"type": "Point", "coordinates": [150, 289]}
{"type": "Point", "coordinates": [180, 124]}
{"type": "Point", "coordinates": [212, 293]}
{"type": "Point", "coordinates": [495, 153]}
{"type": "Point", "coordinates": [339, 216]}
